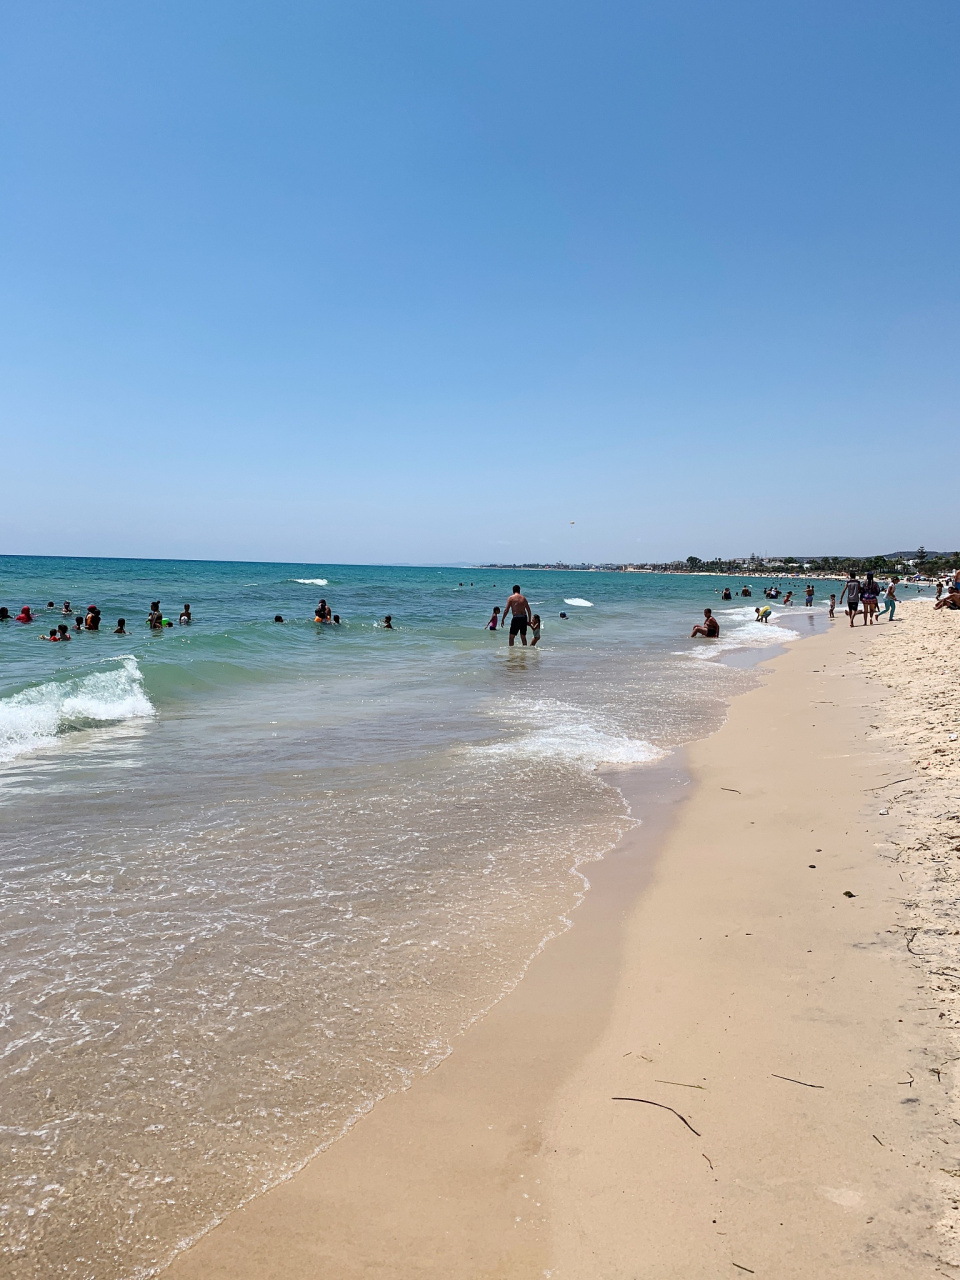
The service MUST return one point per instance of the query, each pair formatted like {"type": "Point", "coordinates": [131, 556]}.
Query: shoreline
{"type": "Point", "coordinates": [509, 1158]}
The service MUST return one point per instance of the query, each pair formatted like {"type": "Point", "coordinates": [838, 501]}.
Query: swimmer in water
{"type": "Point", "coordinates": [52, 637]}
{"type": "Point", "coordinates": [186, 617]}
{"type": "Point", "coordinates": [710, 627]}
{"type": "Point", "coordinates": [388, 622]}
{"type": "Point", "coordinates": [64, 631]}
{"type": "Point", "coordinates": [517, 605]}
{"type": "Point", "coordinates": [278, 617]}
{"type": "Point", "coordinates": [120, 628]}
{"type": "Point", "coordinates": [25, 615]}
{"type": "Point", "coordinates": [336, 619]}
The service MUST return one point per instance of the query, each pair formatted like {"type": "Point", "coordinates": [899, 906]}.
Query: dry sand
{"type": "Point", "coordinates": [698, 979]}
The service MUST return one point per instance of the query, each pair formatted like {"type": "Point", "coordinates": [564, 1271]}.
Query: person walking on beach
{"type": "Point", "coordinates": [869, 594]}
{"type": "Point", "coordinates": [852, 591]}
{"type": "Point", "coordinates": [519, 607]}
{"type": "Point", "coordinates": [890, 601]}
{"type": "Point", "coordinates": [833, 602]}
{"type": "Point", "coordinates": [710, 627]}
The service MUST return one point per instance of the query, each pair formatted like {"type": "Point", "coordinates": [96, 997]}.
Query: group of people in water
{"type": "Point", "coordinates": [89, 620]}
{"type": "Point", "coordinates": [868, 597]}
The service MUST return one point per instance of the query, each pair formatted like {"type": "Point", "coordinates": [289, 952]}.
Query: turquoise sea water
{"type": "Point", "coordinates": [254, 876]}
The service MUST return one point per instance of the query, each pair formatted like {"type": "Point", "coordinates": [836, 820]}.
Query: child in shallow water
{"type": "Point", "coordinates": [120, 628]}
{"type": "Point", "coordinates": [535, 626]}
{"type": "Point", "coordinates": [494, 619]}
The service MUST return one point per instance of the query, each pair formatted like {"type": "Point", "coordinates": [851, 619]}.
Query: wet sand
{"type": "Point", "coordinates": [708, 961]}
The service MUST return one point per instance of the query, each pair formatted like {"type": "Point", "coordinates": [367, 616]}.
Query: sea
{"type": "Point", "coordinates": [255, 876]}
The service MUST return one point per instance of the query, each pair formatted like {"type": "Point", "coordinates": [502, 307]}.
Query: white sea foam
{"type": "Point", "coordinates": [36, 717]}
{"type": "Point", "coordinates": [751, 635]}
{"type": "Point", "coordinates": [312, 582]}
{"type": "Point", "coordinates": [566, 733]}
{"type": "Point", "coordinates": [585, 604]}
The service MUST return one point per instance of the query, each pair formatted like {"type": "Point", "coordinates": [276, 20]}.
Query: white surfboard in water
{"type": "Point", "coordinates": [587, 604]}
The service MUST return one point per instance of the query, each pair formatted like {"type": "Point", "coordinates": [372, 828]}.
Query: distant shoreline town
{"type": "Point", "coordinates": [926, 563]}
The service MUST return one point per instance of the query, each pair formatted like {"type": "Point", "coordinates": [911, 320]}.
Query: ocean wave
{"type": "Point", "coordinates": [585, 604]}
{"type": "Point", "coordinates": [36, 717]}
{"type": "Point", "coordinates": [566, 733]}
{"type": "Point", "coordinates": [311, 582]}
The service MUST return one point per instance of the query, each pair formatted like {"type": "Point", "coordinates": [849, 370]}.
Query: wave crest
{"type": "Point", "coordinates": [36, 717]}
{"type": "Point", "coordinates": [311, 582]}
{"type": "Point", "coordinates": [565, 733]}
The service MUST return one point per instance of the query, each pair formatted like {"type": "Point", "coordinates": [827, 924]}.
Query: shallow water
{"type": "Point", "coordinates": [254, 876]}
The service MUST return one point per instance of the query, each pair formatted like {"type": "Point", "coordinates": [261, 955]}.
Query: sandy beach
{"type": "Point", "coordinates": [769, 960]}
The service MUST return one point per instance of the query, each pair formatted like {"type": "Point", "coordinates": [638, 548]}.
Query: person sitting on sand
{"type": "Point", "coordinates": [763, 614]}
{"type": "Point", "coordinates": [951, 600]}
{"type": "Point", "coordinates": [64, 631]}
{"type": "Point", "coordinates": [535, 628]}
{"type": "Point", "coordinates": [710, 627]}
{"type": "Point", "coordinates": [494, 619]}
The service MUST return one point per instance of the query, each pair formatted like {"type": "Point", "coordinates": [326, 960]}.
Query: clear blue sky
{"type": "Point", "coordinates": [378, 281]}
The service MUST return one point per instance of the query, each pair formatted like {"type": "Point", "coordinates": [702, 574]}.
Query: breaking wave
{"type": "Point", "coordinates": [37, 717]}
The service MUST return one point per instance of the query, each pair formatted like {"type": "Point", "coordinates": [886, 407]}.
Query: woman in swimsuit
{"type": "Point", "coordinates": [869, 597]}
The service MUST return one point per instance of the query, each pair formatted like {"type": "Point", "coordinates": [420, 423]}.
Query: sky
{"type": "Point", "coordinates": [369, 282]}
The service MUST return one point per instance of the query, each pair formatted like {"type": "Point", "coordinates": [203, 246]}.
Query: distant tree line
{"type": "Point", "coordinates": [919, 561]}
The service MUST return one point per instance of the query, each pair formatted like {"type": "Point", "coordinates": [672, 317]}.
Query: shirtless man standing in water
{"type": "Point", "coordinates": [519, 606]}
